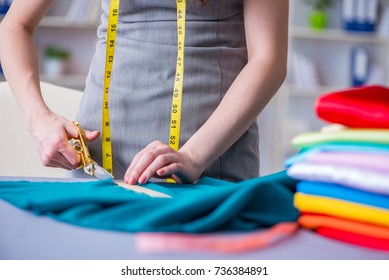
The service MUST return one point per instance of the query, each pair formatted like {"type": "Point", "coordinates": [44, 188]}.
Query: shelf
{"type": "Point", "coordinates": [62, 22]}
{"type": "Point", "coordinates": [313, 92]}
{"type": "Point", "coordinates": [336, 35]}
{"type": "Point", "coordinates": [70, 81]}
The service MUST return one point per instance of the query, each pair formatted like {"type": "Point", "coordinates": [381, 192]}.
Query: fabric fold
{"type": "Point", "coordinates": [343, 193]}
{"type": "Point", "coordinates": [354, 238]}
{"type": "Point", "coordinates": [366, 106]}
{"type": "Point", "coordinates": [314, 222]}
{"type": "Point", "coordinates": [359, 178]}
{"type": "Point", "coordinates": [351, 136]}
{"type": "Point", "coordinates": [207, 206]}
{"type": "Point", "coordinates": [342, 209]}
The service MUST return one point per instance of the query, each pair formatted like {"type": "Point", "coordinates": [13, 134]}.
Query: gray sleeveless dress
{"type": "Point", "coordinates": [143, 73]}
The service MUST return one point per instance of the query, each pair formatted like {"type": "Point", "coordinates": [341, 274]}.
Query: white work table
{"type": "Point", "coordinates": [26, 236]}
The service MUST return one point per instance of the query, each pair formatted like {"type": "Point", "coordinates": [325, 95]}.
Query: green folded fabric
{"type": "Point", "coordinates": [207, 206]}
{"type": "Point", "coordinates": [351, 136]}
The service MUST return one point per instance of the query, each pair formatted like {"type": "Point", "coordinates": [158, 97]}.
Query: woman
{"type": "Point", "coordinates": [235, 61]}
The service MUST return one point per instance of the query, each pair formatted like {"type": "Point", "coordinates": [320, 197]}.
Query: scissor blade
{"type": "Point", "coordinates": [101, 173]}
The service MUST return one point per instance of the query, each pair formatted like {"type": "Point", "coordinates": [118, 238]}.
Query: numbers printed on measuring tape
{"type": "Point", "coordinates": [175, 122]}
{"type": "Point", "coordinates": [172, 140]}
{"type": "Point", "coordinates": [109, 58]}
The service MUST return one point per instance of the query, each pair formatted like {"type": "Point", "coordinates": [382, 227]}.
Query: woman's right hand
{"type": "Point", "coordinates": [52, 133]}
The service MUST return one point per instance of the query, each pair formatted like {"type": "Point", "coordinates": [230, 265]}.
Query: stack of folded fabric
{"type": "Point", "coordinates": [344, 168]}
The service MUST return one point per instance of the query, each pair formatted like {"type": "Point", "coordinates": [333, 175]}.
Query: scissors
{"type": "Point", "coordinates": [86, 162]}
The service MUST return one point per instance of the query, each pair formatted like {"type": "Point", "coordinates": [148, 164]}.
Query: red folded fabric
{"type": "Point", "coordinates": [354, 238]}
{"type": "Point", "coordinates": [362, 107]}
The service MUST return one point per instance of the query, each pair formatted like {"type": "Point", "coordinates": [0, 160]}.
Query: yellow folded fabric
{"type": "Point", "coordinates": [341, 208]}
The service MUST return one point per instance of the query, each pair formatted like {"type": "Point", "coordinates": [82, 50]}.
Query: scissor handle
{"type": "Point", "coordinates": [81, 147]}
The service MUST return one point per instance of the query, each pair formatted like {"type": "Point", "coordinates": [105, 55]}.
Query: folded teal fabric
{"type": "Point", "coordinates": [207, 206]}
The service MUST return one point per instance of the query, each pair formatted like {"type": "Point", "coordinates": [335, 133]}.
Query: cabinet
{"type": "Point", "coordinates": [329, 52]}
{"type": "Point", "coordinates": [75, 32]}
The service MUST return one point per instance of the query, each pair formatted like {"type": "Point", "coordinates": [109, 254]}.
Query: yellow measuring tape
{"type": "Point", "coordinates": [175, 121]}
{"type": "Point", "coordinates": [109, 56]}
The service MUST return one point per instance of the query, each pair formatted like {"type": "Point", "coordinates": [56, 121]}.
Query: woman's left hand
{"type": "Point", "coordinates": [160, 161]}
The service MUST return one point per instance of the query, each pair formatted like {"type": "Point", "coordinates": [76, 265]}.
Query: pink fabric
{"type": "Point", "coordinates": [373, 161]}
{"type": "Point", "coordinates": [222, 243]}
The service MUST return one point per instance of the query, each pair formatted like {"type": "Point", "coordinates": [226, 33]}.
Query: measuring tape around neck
{"type": "Point", "coordinates": [175, 121]}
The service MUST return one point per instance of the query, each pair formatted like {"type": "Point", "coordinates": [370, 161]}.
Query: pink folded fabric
{"type": "Point", "coordinates": [215, 242]}
{"type": "Point", "coordinates": [373, 161]}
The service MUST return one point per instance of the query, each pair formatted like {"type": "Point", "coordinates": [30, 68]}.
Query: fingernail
{"type": "Point", "coordinates": [131, 181]}
{"type": "Point", "coordinates": [142, 180]}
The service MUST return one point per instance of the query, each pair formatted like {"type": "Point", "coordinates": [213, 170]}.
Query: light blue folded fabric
{"type": "Point", "coordinates": [208, 206]}
{"type": "Point", "coordinates": [343, 193]}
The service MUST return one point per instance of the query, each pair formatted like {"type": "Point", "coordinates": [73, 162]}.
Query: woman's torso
{"type": "Point", "coordinates": [143, 77]}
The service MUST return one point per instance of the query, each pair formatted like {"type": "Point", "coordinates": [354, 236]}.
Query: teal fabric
{"type": "Point", "coordinates": [207, 206]}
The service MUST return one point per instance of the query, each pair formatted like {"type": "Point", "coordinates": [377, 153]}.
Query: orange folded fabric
{"type": "Point", "coordinates": [312, 221]}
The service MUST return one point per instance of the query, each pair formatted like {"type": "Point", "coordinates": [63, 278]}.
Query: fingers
{"type": "Point", "coordinates": [59, 162]}
{"type": "Point", "coordinates": [159, 162]}
{"type": "Point", "coordinates": [70, 129]}
{"type": "Point", "coordinates": [59, 154]}
{"type": "Point", "coordinates": [146, 163]}
{"type": "Point", "coordinates": [54, 148]}
{"type": "Point", "coordinates": [91, 135]}
{"type": "Point", "coordinates": [70, 155]}
{"type": "Point", "coordinates": [70, 158]}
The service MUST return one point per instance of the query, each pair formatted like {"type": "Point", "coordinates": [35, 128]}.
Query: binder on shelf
{"type": "Point", "coordinates": [94, 11]}
{"type": "Point", "coordinates": [383, 27]}
{"type": "Point", "coordinates": [79, 11]}
{"type": "Point", "coordinates": [348, 14]}
{"type": "Point", "coordinates": [360, 15]}
{"type": "Point", "coordinates": [296, 70]}
{"type": "Point", "coordinates": [359, 66]}
{"type": "Point", "coordinates": [304, 71]}
{"type": "Point", "coordinates": [371, 14]}
{"type": "Point", "coordinates": [4, 6]}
